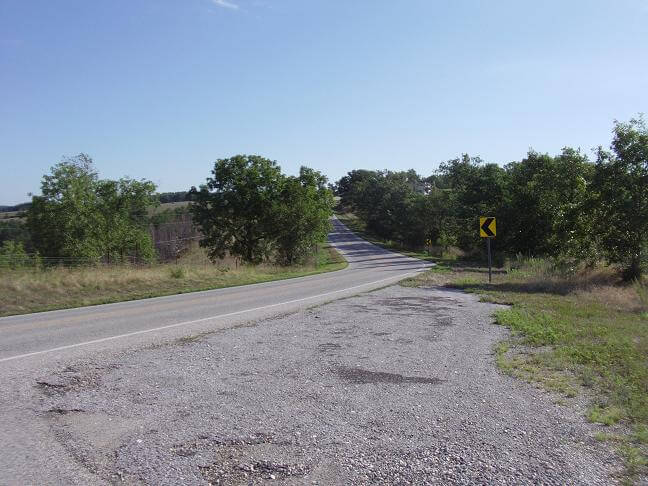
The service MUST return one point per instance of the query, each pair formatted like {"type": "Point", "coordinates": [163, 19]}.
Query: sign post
{"type": "Point", "coordinates": [488, 230]}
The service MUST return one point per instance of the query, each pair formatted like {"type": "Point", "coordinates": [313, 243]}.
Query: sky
{"type": "Point", "coordinates": [160, 89]}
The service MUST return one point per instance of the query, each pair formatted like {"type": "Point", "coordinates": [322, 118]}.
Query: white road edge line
{"type": "Point", "coordinates": [186, 323]}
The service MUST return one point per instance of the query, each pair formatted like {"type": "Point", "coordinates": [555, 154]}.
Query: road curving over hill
{"type": "Point", "coordinates": [60, 333]}
{"type": "Point", "coordinates": [262, 385]}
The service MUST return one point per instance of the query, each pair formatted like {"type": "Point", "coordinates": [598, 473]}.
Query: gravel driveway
{"type": "Point", "coordinates": [396, 386]}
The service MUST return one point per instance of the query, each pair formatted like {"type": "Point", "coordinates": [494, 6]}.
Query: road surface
{"type": "Point", "coordinates": [58, 333]}
{"type": "Point", "coordinates": [31, 344]}
{"type": "Point", "coordinates": [394, 386]}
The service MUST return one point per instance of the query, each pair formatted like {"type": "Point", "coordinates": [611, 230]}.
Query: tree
{"type": "Point", "coordinates": [547, 207]}
{"type": "Point", "coordinates": [235, 209]}
{"type": "Point", "coordinates": [250, 210]}
{"type": "Point", "coordinates": [441, 227]}
{"type": "Point", "coordinates": [123, 216]}
{"type": "Point", "coordinates": [303, 211]}
{"type": "Point", "coordinates": [621, 181]}
{"type": "Point", "coordinates": [62, 220]}
{"type": "Point", "coordinates": [80, 217]}
{"type": "Point", "coordinates": [17, 231]}
{"type": "Point", "coordinates": [353, 188]}
{"type": "Point", "coordinates": [474, 189]}
{"type": "Point", "coordinates": [13, 255]}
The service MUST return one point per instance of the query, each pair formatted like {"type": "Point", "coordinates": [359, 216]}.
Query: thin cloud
{"type": "Point", "coordinates": [225, 4]}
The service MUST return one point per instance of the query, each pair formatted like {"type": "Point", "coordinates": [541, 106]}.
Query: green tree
{"type": "Point", "coordinates": [63, 221]}
{"type": "Point", "coordinates": [392, 204]}
{"type": "Point", "coordinates": [547, 209]}
{"type": "Point", "coordinates": [474, 189]}
{"type": "Point", "coordinates": [250, 210]}
{"type": "Point", "coordinates": [13, 255]}
{"type": "Point", "coordinates": [353, 188]}
{"type": "Point", "coordinates": [441, 227]}
{"type": "Point", "coordinates": [17, 231]}
{"type": "Point", "coordinates": [621, 181]}
{"type": "Point", "coordinates": [235, 209]}
{"type": "Point", "coordinates": [303, 211]}
{"type": "Point", "coordinates": [80, 217]}
{"type": "Point", "coordinates": [123, 218]}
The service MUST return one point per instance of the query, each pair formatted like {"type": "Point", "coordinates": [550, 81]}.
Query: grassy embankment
{"type": "Point", "coordinates": [579, 333]}
{"type": "Point", "coordinates": [33, 290]}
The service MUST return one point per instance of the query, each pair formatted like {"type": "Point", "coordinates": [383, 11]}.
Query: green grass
{"type": "Point", "coordinates": [571, 333]}
{"type": "Point", "coordinates": [23, 291]}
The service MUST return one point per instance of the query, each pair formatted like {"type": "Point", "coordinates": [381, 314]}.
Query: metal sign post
{"type": "Point", "coordinates": [488, 230]}
{"type": "Point", "coordinates": [489, 259]}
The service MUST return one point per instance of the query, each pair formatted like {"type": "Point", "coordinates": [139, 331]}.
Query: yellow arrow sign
{"type": "Point", "coordinates": [487, 227]}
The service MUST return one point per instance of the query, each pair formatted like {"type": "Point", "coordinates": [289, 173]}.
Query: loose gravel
{"type": "Point", "coordinates": [396, 386]}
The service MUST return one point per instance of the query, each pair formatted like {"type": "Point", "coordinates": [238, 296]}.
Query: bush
{"type": "Point", "coordinates": [13, 255]}
{"type": "Point", "coordinates": [177, 272]}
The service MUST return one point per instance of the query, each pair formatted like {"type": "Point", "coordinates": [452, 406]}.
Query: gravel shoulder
{"type": "Point", "coordinates": [395, 386]}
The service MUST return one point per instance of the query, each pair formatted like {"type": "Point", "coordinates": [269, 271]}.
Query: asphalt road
{"type": "Point", "coordinates": [33, 343]}
{"type": "Point", "coordinates": [392, 387]}
{"type": "Point", "coordinates": [60, 333]}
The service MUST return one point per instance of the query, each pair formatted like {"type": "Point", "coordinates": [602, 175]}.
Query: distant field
{"type": "Point", "coordinates": [164, 206]}
{"type": "Point", "coordinates": [12, 214]}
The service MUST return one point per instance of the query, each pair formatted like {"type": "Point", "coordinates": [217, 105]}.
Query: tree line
{"type": "Point", "coordinates": [566, 207]}
{"type": "Point", "coordinates": [248, 209]}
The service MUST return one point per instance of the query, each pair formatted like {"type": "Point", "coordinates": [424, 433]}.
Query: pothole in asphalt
{"type": "Point", "coordinates": [418, 305]}
{"type": "Point", "coordinates": [52, 388]}
{"type": "Point", "coordinates": [403, 341]}
{"type": "Point", "coordinates": [328, 347]}
{"type": "Point", "coordinates": [443, 321]}
{"type": "Point", "coordinates": [64, 411]}
{"type": "Point", "coordinates": [343, 331]}
{"type": "Point", "coordinates": [361, 376]}
{"type": "Point", "coordinates": [250, 472]}
{"type": "Point", "coordinates": [247, 460]}
{"type": "Point", "coordinates": [71, 379]}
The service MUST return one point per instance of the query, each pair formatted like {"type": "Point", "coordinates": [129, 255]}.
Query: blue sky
{"type": "Point", "coordinates": [159, 89]}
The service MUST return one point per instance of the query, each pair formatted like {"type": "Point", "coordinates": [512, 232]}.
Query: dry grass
{"type": "Point", "coordinates": [11, 214]}
{"type": "Point", "coordinates": [622, 298]}
{"type": "Point", "coordinates": [168, 206]}
{"type": "Point", "coordinates": [601, 285]}
{"type": "Point", "coordinates": [32, 290]}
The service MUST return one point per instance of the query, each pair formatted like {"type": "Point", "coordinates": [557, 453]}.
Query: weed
{"type": "Point", "coordinates": [609, 437]}
{"type": "Point", "coordinates": [177, 272]}
{"type": "Point", "coordinates": [640, 434]}
{"type": "Point", "coordinates": [642, 292]}
{"type": "Point", "coordinates": [635, 459]}
{"type": "Point", "coordinates": [604, 415]}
